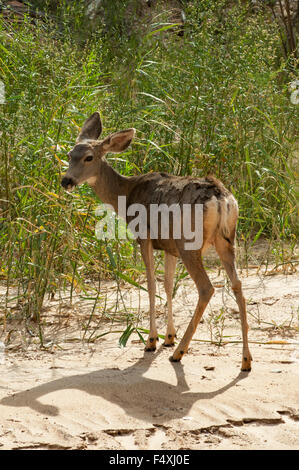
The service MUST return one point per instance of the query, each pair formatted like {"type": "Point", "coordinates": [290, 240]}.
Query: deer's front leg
{"type": "Point", "coordinates": [170, 264]}
{"type": "Point", "coordinates": [148, 258]}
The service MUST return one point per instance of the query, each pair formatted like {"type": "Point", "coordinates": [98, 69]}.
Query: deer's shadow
{"type": "Point", "coordinates": [137, 395]}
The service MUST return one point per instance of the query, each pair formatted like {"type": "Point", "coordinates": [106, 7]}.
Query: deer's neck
{"type": "Point", "coordinates": [108, 184]}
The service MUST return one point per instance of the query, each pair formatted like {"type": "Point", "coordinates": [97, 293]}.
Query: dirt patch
{"type": "Point", "coordinates": [81, 395]}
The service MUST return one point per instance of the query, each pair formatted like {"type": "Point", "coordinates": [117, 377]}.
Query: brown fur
{"type": "Point", "coordinates": [220, 213]}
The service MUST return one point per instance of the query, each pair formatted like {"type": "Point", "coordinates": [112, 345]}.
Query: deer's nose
{"type": "Point", "coordinates": [66, 182]}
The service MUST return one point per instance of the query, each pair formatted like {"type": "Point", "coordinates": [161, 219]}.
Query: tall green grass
{"type": "Point", "coordinates": [213, 101]}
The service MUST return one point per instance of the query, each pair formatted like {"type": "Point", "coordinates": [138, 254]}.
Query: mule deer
{"type": "Point", "coordinates": [220, 213]}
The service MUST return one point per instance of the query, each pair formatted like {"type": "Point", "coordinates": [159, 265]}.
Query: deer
{"type": "Point", "coordinates": [87, 164]}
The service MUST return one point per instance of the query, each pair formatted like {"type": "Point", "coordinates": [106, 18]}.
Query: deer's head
{"type": "Point", "coordinates": [86, 156]}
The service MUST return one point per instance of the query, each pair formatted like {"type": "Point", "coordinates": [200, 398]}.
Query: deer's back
{"type": "Point", "coordinates": [162, 188]}
{"type": "Point", "coordinates": [220, 209]}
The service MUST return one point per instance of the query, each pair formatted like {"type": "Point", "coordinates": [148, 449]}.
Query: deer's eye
{"type": "Point", "coordinates": [89, 158]}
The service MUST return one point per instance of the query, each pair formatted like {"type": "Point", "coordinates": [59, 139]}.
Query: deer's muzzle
{"type": "Point", "coordinates": [67, 183]}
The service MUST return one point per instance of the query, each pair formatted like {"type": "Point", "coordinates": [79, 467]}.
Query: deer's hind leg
{"type": "Point", "coordinates": [193, 263]}
{"type": "Point", "coordinates": [148, 258]}
{"type": "Point", "coordinates": [226, 252]}
{"type": "Point", "coordinates": [170, 264]}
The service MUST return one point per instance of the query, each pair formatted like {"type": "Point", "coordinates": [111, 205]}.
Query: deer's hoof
{"type": "Point", "coordinates": [150, 348]}
{"type": "Point", "coordinates": [169, 341]}
{"type": "Point", "coordinates": [151, 344]}
{"type": "Point", "coordinates": [172, 359]}
{"type": "Point", "coordinates": [177, 356]}
{"type": "Point", "coordinates": [246, 364]}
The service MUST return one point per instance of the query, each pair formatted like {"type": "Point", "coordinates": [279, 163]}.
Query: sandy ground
{"type": "Point", "coordinates": [82, 395]}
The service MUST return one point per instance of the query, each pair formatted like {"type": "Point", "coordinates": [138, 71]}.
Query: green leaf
{"type": "Point", "coordinates": [130, 281]}
{"type": "Point", "coordinates": [111, 257]}
{"type": "Point", "coordinates": [126, 335]}
{"type": "Point", "coordinates": [164, 28]}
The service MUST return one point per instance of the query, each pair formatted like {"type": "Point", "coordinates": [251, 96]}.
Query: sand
{"type": "Point", "coordinates": [79, 395]}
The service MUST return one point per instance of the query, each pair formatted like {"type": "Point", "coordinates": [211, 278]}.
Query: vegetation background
{"type": "Point", "coordinates": [212, 96]}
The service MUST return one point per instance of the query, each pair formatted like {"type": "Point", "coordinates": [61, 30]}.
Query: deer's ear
{"type": "Point", "coordinates": [91, 129]}
{"type": "Point", "coordinates": [118, 141]}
